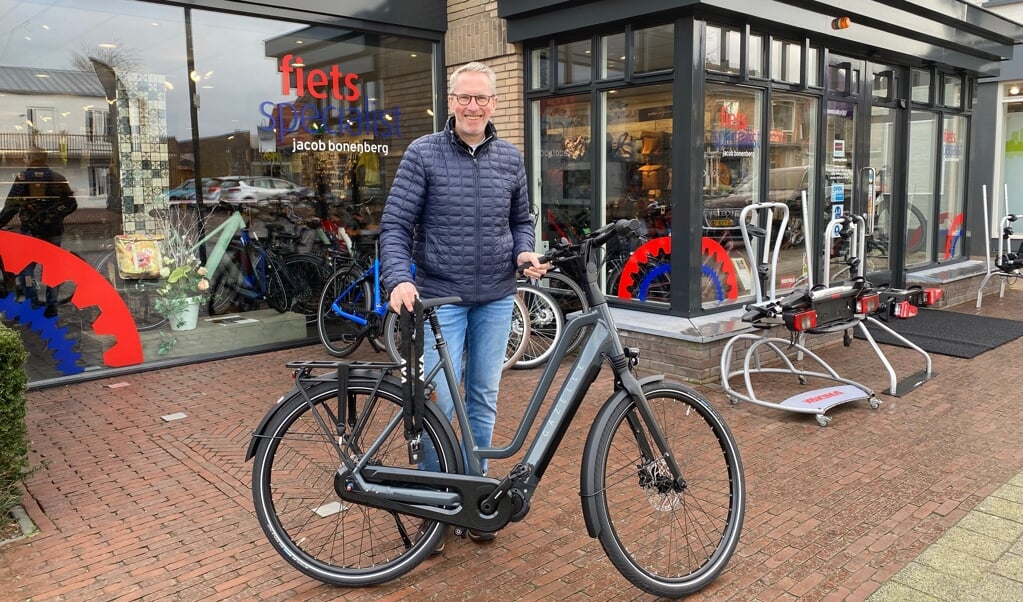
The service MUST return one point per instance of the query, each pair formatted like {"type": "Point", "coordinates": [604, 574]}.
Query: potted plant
{"type": "Point", "coordinates": [185, 287]}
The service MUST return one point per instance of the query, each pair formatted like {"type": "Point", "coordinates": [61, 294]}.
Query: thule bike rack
{"type": "Point", "coordinates": [810, 309]}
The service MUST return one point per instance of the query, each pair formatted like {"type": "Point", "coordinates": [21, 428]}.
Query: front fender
{"type": "Point", "coordinates": [587, 479]}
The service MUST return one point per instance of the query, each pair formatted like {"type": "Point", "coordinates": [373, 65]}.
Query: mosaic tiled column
{"type": "Point", "coordinates": [141, 147]}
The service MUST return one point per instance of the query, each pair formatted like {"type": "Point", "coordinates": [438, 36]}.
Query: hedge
{"type": "Point", "coordinates": [14, 464]}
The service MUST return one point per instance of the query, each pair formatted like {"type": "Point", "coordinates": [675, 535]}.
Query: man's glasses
{"type": "Point", "coordinates": [463, 99]}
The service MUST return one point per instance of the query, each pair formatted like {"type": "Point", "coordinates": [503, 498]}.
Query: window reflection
{"type": "Point", "coordinates": [732, 142]}
{"type": "Point", "coordinates": [639, 185]}
{"type": "Point", "coordinates": [574, 63]}
{"type": "Point", "coordinates": [280, 139]}
{"type": "Point", "coordinates": [655, 48]}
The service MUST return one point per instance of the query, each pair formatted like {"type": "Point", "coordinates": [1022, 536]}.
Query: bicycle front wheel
{"type": "Point", "coordinates": [139, 295]}
{"type": "Point", "coordinates": [295, 480]}
{"type": "Point", "coordinates": [306, 275]}
{"type": "Point", "coordinates": [349, 292]}
{"type": "Point", "coordinates": [668, 537]}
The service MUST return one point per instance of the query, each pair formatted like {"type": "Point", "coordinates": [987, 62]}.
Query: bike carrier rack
{"type": "Point", "coordinates": [1007, 264]}
{"type": "Point", "coordinates": [815, 310]}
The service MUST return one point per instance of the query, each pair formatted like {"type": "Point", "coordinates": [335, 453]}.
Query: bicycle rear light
{"type": "Point", "coordinates": [801, 320]}
{"type": "Point", "coordinates": [933, 295]}
{"type": "Point", "coordinates": [868, 304]}
{"type": "Point", "coordinates": [904, 309]}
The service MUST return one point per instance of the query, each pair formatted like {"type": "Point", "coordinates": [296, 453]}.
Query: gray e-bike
{"type": "Point", "coordinates": [356, 476]}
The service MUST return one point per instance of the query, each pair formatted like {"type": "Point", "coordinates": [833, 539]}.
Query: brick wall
{"type": "Point", "coordinates": [475, 33]}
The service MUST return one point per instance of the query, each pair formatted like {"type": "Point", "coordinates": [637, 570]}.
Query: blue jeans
{"type": "Point", "coordinates": [480, 335]}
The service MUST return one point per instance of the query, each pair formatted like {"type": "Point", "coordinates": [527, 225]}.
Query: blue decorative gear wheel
{"type": "Point", "coordinates": [54, 336]}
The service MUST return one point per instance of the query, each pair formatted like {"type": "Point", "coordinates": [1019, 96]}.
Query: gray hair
{"type": "Point", "coordinates": [473, 67]}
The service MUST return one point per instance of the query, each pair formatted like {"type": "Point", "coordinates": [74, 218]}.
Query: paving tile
{"type": "Point", "coordinates": [918, 496]}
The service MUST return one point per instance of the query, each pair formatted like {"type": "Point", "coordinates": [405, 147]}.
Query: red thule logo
{"type": "Point", "coordinates": [822, 397]}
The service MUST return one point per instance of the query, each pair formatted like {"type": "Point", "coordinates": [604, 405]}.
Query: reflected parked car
{"type": "Point", "coordinates": [186, 191]}
{"type": "Point", "coordinates": [254, 189]}
{"type": "Point", "coordinates": [786, 186]}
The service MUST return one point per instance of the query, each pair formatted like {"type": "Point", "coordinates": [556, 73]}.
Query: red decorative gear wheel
{"type": "Point", "coordinates": [650, 260]}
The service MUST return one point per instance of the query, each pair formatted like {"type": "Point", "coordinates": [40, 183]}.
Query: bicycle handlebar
{"type": "Point", "coordinates": [571, 251]}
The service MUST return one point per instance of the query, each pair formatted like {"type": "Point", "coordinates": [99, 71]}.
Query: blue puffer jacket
{"type": "Point", "coordinates": [468, 214]}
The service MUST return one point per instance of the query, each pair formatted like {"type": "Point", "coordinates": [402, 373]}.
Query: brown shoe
{"type": "Point", "coordinates": [481, 536]}
{"type": "Point", "coordinates": [440, 546]}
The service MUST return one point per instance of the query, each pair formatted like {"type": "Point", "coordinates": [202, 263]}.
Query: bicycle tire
{"type": "Point", "coordinates": [276, 294]}
{"type": "Point", "coordinates": [224, 294]}
{"type": "Point", "coordinates": [668, 539]}
{"type": "Point", "coordinates": [570, 299]}
{"type": "Point", "coordinates": [295, 476]}
{"type": "Point", "coordinates": [518, 335]}
{"type": "Point", "coordinates": [306, 274]}
{"type": "Point", "coordinates": [546, 326]}
{"type": "Point", "coordinates": [351, 291]}
{"type": "Point", "coordinates": [139, 295]}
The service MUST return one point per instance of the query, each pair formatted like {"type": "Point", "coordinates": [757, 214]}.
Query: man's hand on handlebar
{"type": "Point", "coordinates": [530, 264]}
{"type": "Point", "coordinates": [405, 294]}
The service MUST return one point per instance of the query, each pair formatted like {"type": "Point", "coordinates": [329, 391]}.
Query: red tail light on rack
{"type": "Point", "coordinates": [904, 309]}
{"type": "Point", "coordinates": [800, 321]}
{"type": "Point", "coordinates": [933, 295]}
{"type": "Point", "coordinates": [868, 304]}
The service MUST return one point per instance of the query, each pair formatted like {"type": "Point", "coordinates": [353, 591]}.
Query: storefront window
{"type": "Point", "coordinates": [791, 154]}
{"type": "Point", "coordinates": [785, 61]}
{"type": "Point", "coordinates": [564, 165]}
{"type": "Point", "coordinates": [920, 81]}
{"type": "Point", "coordinates": [840, 149]}
{"type": "Point", "coordinates": [813, 67]}
{"type": "Point", "coordinates": [1012, 166]}
{"type": "Point", "coordinates": [724, 50]}
{"type": "Point", "coordinates": [279, 122]}
{"type": "Point", "coordinates": [574, 63]}
{"type": "Point", "coordinates": [638, 185]}
{"type": "Point", "coordinates": [953, 185]}
{"type": "Point", "coordinates": [952, 90]}
{"type": "Point", "coordinates": [612, 49]}
{"type": "Point", "coordinates": [755, 56]}
{"type": "Point", "coordinates": [923, 137]}
{"type": "Point", "coordinates": [540, 68]}
{"type": "Point", "coordinates": [732, 142]}
{"type": "Point", "coordinates": [654, 48]}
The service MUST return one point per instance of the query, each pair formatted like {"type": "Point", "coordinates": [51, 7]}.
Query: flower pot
{"type": "Point", "coordinates": [188, 317]}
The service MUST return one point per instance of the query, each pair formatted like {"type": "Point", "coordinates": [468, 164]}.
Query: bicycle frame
{"type": "Point", "coordinates": [454, 495]}
{"type": "Point", "coordinates": [379, 306]}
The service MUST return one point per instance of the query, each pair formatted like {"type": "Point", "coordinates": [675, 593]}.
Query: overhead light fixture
{"type": "Point", "coordinates": [841, 23]}
{"type": "Point", "coordinates": [1014, 90]}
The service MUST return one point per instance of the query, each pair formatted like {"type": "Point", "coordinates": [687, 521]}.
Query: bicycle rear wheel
{"type": "Point", "coordinates": [668, 538]}
{"type": "Point", "coordinates": [139, 295]}
{"type": "Point", "coordinates": [546, 326]}
{"type": "Point", "coordinates": [347, 291]}
{"type": "Point", "coordinates": [570, 297]}
{"type": "Point", "coordinates": [295, 485]}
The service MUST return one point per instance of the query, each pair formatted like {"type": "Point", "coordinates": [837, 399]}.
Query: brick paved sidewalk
{"type": "Point", "coordinates": [132, 506]}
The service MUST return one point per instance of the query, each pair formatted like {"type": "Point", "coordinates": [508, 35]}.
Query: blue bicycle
{"type": "Point", "coordinates": [354, 306]}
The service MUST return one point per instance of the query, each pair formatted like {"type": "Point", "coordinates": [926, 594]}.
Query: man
{"type": "Point", "coordinates": [41, 198]}
{"type": "Point", "coordinates": [459, 208]}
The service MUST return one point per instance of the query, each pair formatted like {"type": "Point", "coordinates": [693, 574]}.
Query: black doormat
{"type": "Point", "coordinates": [949, 332]}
